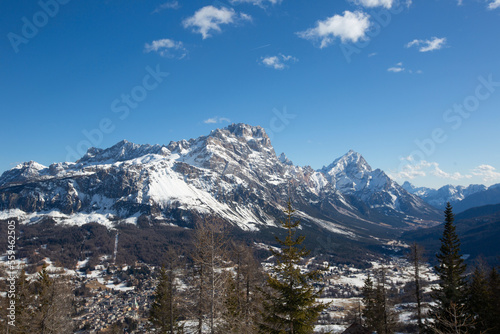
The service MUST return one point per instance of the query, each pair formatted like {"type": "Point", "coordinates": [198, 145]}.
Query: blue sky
{"type": "Point", "coordinates": [413, 86]}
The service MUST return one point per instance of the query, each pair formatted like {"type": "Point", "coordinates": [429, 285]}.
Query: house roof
{"type": "Point", "coordinates": [356, 328]}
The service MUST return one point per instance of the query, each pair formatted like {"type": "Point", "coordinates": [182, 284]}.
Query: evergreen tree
{"type": "Point", "coordinates": [416, 260]}
{"type": "Point", "coordinates": [24, 305]}
{"type": "Point", "coordinates": [449, 296]}
{"type": "Point", "coordinates": [289, 304]}
{"type": "Point", "coordinates": [231, 317]}
{"type": "Point", "coordinates": [53, 305]}
{"type": "Point", "coordinates": [370, 313]}
{"type": "Point", "coordinates": [494, 298]}
{"type": "Point", "coordinates": [164, 312]}
{"type": "Point", "coordinates": [378, 312]}
{"type": "Point", "coordinates": [21, 321]}
{"type": "Point", "coordinates": [478, 301]}
{"type": "Point", "coordinates": [389, 321]}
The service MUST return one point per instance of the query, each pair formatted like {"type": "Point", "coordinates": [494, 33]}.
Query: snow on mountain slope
{"type": "Point", "coordinates": [448, 193]}
{"type": "Point", "coordinates": [352, 175]}
{"type": "Point", "coordinates": [349, 173]}
{"type": "Point", "coordinates": [23, 172]}
{"type": "Point", "coordinates": [233, 173]}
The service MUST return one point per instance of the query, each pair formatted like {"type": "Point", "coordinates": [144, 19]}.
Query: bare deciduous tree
{"type": "Point", "coordinates": [243, 296]}
{"type": "Point", "coordinates": [455, 320]}
{"type": "Point", "coordinates": [210, 263]}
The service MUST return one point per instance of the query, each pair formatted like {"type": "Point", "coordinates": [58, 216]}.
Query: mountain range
{"type": "Point", "coordinates": [462, 198]}
{"type": "Point", "coordinates": [232, 174]}
{"type": "Point", "coordinates": [478, 229]}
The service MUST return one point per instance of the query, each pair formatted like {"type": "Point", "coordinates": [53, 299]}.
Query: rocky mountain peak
{"type": "Point", "coordinates": [408, 186]}
{"type": "Point", "coordinates": [30, 166]}
{"type": "Point", "coordinates": [284, 159]}
{"type": "Point", "coordinates": [351, 164]}
{"type": "Point", "coordinates": [233, 172]}
{"type": "Point", "coordinates": [23, 171]}
{"type": "Point", "coordinates": [353, 159]}
{"type": "Point", "coordinates": [121, 151]}
{"type": "Point", "coordinates": [245, 130]}
{"type": "Point", "coordinates": [243, 133]}
{"type": "Point", "coordinates": [447, 193]}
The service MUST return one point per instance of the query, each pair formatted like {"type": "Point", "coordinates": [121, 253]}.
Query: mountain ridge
{"type": "Point", "coordinates": [462, 198]}
{"type": "Point", "coordinates": [232, 173]}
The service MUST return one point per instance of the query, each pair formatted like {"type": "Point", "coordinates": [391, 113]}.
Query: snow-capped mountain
{"type": "Point", "coordinates": [352, 175]}
{"type": "Point", "coordinates": [449, 193]}
{"type": "Point", "coordinates": [232, 174]}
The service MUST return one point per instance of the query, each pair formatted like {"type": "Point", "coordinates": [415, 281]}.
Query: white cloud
{"type": "Point", "coordinates": [167, 5]}
{"type": "Point", "coordinates": [216, 119]}
{"type": "Point", "coordinates": [396, 69]}
{"type": "Point", "coordinates": [167, 48]}
{"type": "Point", "coordinates": [278, 62]}
{"type": "Point", "coordinates": [351, 26]}
{"type": "Point", "coordinates": [260, 3]}
{"type": "Point", "coordinates": [415, 72]}
{"type": "Point", "coordinates": [410, 170]}
{"type": "Point", "coordinates": [494, 4]}
{"type": "Point", "coordinates": [436, 171]}
{"type": "Point", "coordinates": [210, 18]}
{"type": "Point", "coordinates": [428, 45]}
{"type": "Point", "coordinates": [487, 173]}
{"type": "Point", "coordinates": [372, 54]}
{"type": "Point", "coordinates": [375, 3]}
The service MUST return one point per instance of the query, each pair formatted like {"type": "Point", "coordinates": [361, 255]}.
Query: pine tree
{"type": "Point", "coordinates": [53, 305]}
{"type": "Point", "coordinates": [416, 260]}
{"type": "Point", "coordinates": [478, 301]}
{"type": "Point", "coordinates": [494, 298]}
{"type": "Point", "coordinates": [378, 312]}
{"type": "Point", "coordinates": [231, 317]}
{"type": "Point", "coordinates": [290, 305]}
{"type": "Point", "coordinates": [389, 321]}
{"type": "Point", "coordinates": [21, 321]}
{"type": "Point", "coordinates": [449, 296]}
{"type": "Point", "coordinates": [24, 305]}
{"type": "Point", "coordinates": [370, 313]}
{"type": "Point", "coordinates": [164, 312]}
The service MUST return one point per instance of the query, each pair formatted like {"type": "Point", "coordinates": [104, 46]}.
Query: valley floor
{"type": "Point", "coordinates": [113, 295]}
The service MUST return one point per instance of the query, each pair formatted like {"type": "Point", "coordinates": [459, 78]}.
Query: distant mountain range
{"type": "Point", "coordinates": [233, 174]}
{"type": "Point", "coordinates": [462, 198]}
{"type": "Point", "coordinates": [154, 194]}
{"type": "Point", "coordinates": [478, 229]}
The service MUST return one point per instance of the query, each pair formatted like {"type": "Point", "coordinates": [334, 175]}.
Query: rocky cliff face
{"type": "Point", "coordinates": [233, 173]}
